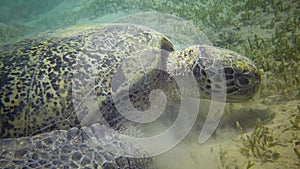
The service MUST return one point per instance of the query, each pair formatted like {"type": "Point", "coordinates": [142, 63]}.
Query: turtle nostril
{"type": "Point", "coordinates": [257, 73]}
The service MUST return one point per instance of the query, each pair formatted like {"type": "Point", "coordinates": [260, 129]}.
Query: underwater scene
{"type": "Point", "coordinates": [161, 84]}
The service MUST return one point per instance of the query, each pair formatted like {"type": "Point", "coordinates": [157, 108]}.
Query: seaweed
{"type": "Point", "coordinates": [249, 164]}
{"type": "Point", "coordinates": [296, 150]}
{"type": "Point", "coordinates": [259, 144]}
{"type": "Point", "coordinates": [228, 162]}
{"type": "Point", "coordinates": [278, 55]}
{"type": "Point", "coordinates": [296, 121]}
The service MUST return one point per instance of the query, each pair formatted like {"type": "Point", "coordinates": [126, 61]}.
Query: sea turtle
{"type": "Point", "coordinates": [46, 81]}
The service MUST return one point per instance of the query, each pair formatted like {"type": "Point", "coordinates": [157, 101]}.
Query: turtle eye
{"type": "Point", "coordinates": [242, 80]}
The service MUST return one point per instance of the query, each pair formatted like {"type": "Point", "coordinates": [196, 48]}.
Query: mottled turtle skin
{"type": "Point", "coordinates": [37, 89]}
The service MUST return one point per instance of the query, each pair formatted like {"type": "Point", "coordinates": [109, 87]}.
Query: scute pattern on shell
{"type": "Point", "coordinates": [37, 77]}
{"type": "Point", "coordinates": [35, 81]}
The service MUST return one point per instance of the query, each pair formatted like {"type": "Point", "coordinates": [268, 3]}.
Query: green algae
{"type": "Point", "coordinates": [228, 162]}
{"type": "Point", "coordinates": [259, 144]}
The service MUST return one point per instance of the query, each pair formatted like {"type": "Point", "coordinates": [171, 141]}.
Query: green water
{"type": "Point", "coordinates": [268, 32]}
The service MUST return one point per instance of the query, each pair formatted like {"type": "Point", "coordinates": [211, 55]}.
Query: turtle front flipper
{"type": "Point", "coordinates": [71, 148]}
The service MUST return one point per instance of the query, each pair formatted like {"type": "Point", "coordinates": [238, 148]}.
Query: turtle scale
{"type": "Point", "coordinates": [41, 100]}
{"type": "Point", "coordinates": [34, 85]}
{"type": "Point", "coordinates": [46, 85]}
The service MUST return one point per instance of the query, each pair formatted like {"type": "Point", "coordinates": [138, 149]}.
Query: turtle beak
{"type": "Point", "coordinates": [257, 74]}
{"type": "Point", "coordinates": [257, 79]}
{"type": "Point", "coordinates": [256, 82]}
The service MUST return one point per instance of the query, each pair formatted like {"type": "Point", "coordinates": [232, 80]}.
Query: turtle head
{"type": "Point", "coordinates": [216, 69]}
